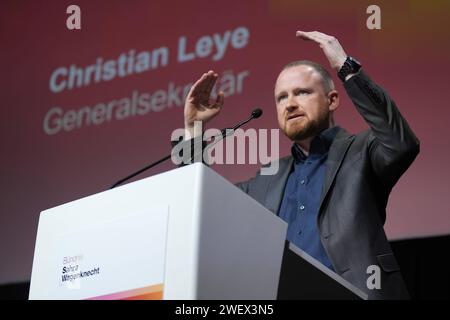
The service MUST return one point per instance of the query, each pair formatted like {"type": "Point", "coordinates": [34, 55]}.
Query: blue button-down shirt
{"type": "Point", "coordinates": [302, 195]}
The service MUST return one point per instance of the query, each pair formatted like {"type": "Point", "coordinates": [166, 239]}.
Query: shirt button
{"type": "Point", "coordinates": [302, 207]}
{"type": "Point", "coordinates": [299, 232]}
{"type": "Point", "coordinates": [302, 181]}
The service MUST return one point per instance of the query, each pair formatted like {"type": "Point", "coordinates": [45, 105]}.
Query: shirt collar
{"type": "Point", "coordinates": [319, 145]}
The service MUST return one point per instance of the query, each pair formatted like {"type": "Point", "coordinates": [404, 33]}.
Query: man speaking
{"type": "Point", "coordinates": [334, 187]}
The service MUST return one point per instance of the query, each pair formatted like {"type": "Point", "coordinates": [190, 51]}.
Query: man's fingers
{"type": "Point", "coordinates": [309, 36]}
{"type": "Point", "coordinates": [315, 36]}
{"type": "Point", "coordinates": [303, 35]}
{"type": "Point", "coordinates": [306, 35]}
{"type": "Point", "coordinates": [329, 44]}
{"type": "Point", "coordinates": [219, 100]}
{"type": "Point", "coordinates": [203, 89]}
{"type": "Point", "coordinates": [206, 82]}
{"type": "Point", "coordinates": [200, 91]}
{"type": "Point", "coordinates": [211, 82]}
{"type": "Point", "coordinates": [198, 86]}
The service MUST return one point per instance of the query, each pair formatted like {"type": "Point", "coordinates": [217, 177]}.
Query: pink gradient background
{"type": "Point", "coordinates": [408, 57]}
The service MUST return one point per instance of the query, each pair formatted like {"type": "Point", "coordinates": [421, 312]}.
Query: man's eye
{"type": "Point", "coordinates": [303, 92]}
{"type": "Point", "coordinates": [281, 98]}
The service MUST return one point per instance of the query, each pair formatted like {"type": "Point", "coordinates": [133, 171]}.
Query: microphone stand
{"type": "Point", "coordinates": [224, 133]}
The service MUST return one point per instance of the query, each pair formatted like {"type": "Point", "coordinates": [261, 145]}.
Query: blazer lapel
{"type": "Point", "coordinates": [336, 154]}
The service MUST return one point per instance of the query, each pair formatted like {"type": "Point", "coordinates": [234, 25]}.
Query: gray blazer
{"type": "Point", "coordinates": [361, 171]}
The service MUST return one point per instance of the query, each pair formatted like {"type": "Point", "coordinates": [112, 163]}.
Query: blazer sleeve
{"type": "Point", "coordinates": [392, 145]}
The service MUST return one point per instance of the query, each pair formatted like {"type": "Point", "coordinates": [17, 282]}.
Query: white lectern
{"type": "Point", "coordinates": [183, 234]}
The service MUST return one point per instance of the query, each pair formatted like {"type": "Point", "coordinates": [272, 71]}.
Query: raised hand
{"type": "Point", "coordinates": [330, 46]}
{"type": "Point", "coordinates": [198, 106]}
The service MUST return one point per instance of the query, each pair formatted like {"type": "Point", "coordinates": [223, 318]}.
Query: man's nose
{"type": "Point", "coordinates": [291, 104]}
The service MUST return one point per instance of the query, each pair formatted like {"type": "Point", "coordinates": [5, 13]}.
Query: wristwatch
{"type": "Point", "coordinates": [350, 66]}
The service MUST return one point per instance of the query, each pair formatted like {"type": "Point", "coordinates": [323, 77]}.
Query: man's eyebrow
{"type": "Point", "coordinates": [309, 89]}
{"type": "Point", "coordinates": [280, 93]}
{"type": "Point", "coordinates": [303, 89]}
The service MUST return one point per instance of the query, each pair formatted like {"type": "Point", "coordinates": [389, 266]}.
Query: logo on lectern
{"type": "Point", "coordinates": [72, 272]}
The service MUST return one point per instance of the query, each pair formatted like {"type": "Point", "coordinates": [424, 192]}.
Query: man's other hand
{"type": "Point", "coordinates": [198, 106]}
{"type": "Point", "coordinates": [330, 46]}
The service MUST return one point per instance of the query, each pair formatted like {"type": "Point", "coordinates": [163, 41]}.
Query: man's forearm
{"type": "Point", "coordinates": [382, 115]}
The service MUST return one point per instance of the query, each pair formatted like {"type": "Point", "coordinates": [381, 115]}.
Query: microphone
{"type": "Point", "coordinates": [224, 133]}
{"type": "Point", "coordinates": [256, 113]}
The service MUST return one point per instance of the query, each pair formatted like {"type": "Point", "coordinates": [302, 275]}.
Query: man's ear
{"type": "Point", "coordinates": [333, 100]}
